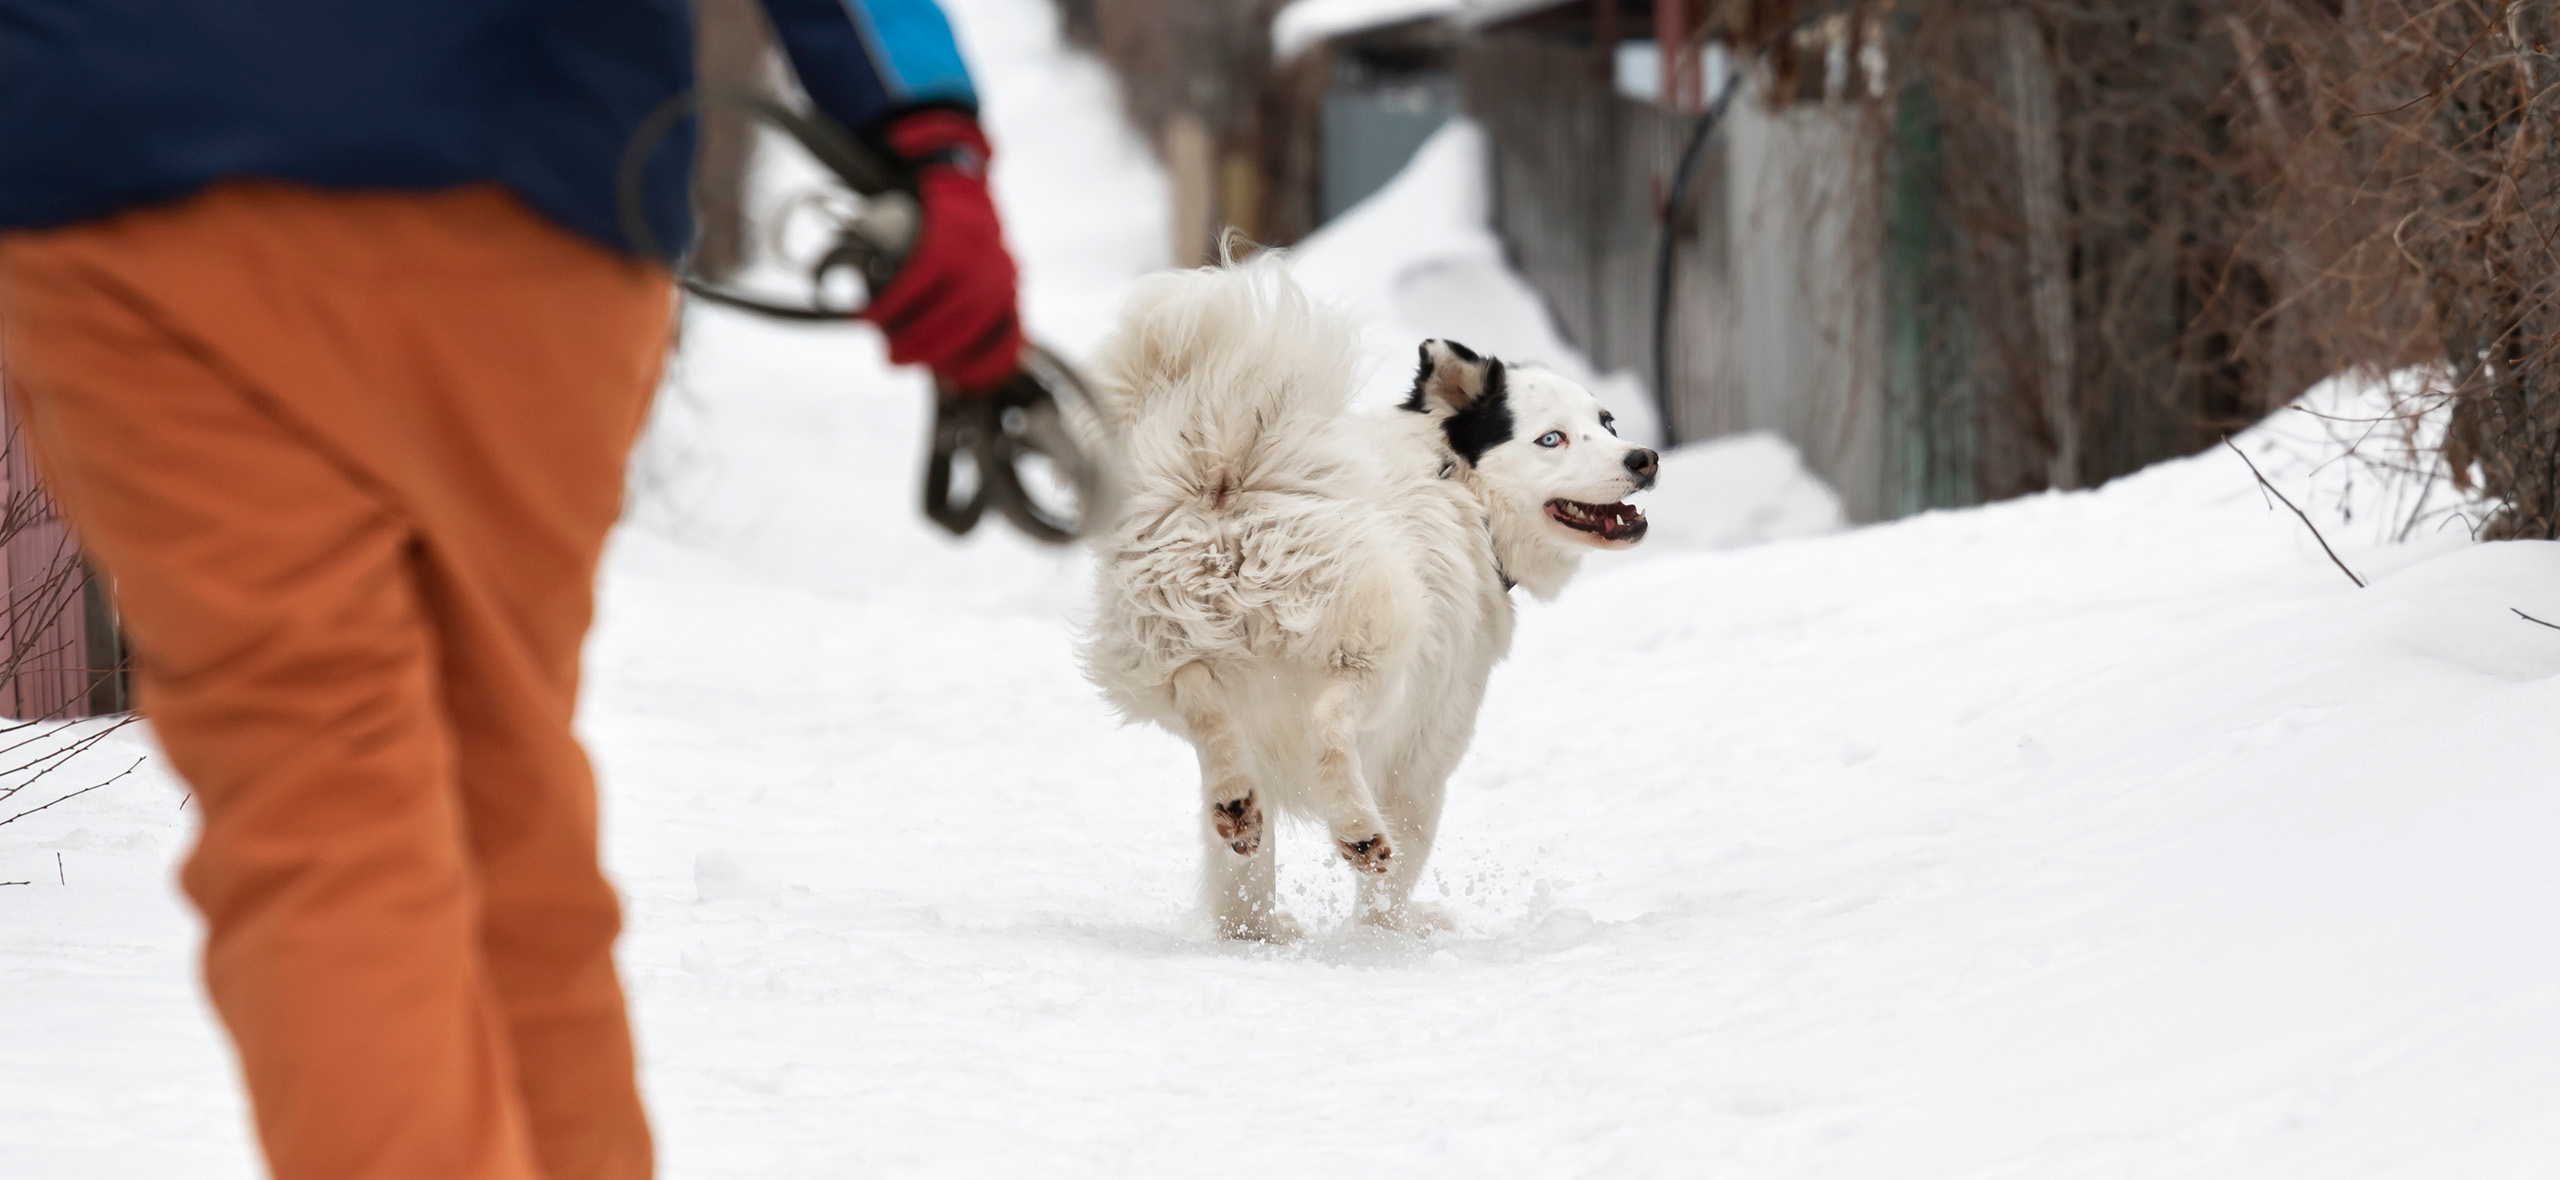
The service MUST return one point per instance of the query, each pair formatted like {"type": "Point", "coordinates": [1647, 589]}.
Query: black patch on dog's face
{"type": "Point", "coordinates": [1486, 422]}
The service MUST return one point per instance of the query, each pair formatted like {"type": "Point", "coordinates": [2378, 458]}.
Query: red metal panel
{"type": "Point", "coordinates": [44, 640]}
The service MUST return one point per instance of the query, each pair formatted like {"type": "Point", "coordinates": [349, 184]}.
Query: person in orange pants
{"type": "Point", "coordinates": [350, 461]}
{"type": "Point", "coordinates": [328, 342]}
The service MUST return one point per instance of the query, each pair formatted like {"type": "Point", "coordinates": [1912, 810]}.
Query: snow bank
{"type": "Point", "coordinates": [2359, 452]}
{"type": "Point", "coordinates": [1305, 22]}
{"type": "Point", "coordinates": [1418, 259]}
{"type": "Point", "coordinates": [1744, 489]}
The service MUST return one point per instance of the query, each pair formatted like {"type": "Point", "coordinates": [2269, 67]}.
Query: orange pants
{"type": "Point", "coordinates": [349, 460]}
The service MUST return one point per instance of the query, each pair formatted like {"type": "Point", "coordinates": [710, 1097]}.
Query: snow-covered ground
{"type": "Point", "coordinates": [2104, 834]}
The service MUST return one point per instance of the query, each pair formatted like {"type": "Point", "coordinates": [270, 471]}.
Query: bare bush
{"type": "Point", "coordinates": [2248, 196]}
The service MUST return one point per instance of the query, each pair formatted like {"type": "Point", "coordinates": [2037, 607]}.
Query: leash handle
{"type": "Point", "coordinates": [997, 430]}
{"type": "Point", "coordinates": [958, 425]}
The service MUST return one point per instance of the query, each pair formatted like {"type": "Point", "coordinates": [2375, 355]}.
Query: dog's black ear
{"type": "Point", "coordinates": [1485, 423]}
{"type": "Point", "coordinates": [1450, 377]}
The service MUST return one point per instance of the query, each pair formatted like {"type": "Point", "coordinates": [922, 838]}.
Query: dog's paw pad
{"type": "Point", "coordinates": [1370, 855]}
{"type": "Point", "coordinates": [1239, 823]}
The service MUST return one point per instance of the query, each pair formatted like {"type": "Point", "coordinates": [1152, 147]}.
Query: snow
{"type": "Point", "coordinates": [1418, 259]}
{"type": "Point", "coordinates": [1304, 23]}
{"type": "Point", "coordinates": [1738, 491]}
{"type": "Point", "coordinates": [2107, 833]}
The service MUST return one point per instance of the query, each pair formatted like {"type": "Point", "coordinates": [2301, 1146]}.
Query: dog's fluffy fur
{"type": "Point", "coordinates": [1314, 598]}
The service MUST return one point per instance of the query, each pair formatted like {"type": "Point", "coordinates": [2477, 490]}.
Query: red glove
{"type": "Point", "coordinates": [951, 306]}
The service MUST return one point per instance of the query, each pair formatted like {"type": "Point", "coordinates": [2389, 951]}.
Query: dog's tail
{"type": "Point", "coordinates": [1224, 380]}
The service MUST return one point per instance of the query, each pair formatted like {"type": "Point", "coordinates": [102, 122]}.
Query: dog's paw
{"type": "Point", "coordinates": [1368, 855]}
{"type": "Point", "coordinates": [1275, 927]}
{"type": "Point", "coordinates": [1239, 823]}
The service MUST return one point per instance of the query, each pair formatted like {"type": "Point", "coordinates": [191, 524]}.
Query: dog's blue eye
{"type": "Point", "coordinates": [1552, 438]}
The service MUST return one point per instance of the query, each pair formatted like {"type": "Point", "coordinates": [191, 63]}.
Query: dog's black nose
{"type": "Point", "coordinates": [1642, 463]}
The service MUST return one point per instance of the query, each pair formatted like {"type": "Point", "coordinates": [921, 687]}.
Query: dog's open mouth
{"type": "Point", "coordinates": [1609, 522]}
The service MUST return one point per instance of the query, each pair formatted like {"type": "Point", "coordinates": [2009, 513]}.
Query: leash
{"type": "Point", "coordinates": [1003, 433]}
{"type": "Point", "coordinates": [1017, 443]}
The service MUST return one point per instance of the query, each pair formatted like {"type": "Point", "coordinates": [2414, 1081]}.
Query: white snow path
{"type": "Point", "coordinates": [2106, 831]}
{"type": "Point", "coordinates": [2104, 834]}
{"type": "Point", "coordinates": [2111, 833]}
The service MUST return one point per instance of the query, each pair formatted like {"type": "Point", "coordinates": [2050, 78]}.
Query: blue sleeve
{"type": "Point", "coordinates": [860, 60]}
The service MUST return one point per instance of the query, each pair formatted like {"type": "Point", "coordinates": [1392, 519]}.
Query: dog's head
{"type": "Point", "coordinates": [1541, 450]}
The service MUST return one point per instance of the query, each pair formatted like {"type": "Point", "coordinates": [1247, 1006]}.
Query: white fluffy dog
{"type": "Point", "coordinates": [1314, 598]}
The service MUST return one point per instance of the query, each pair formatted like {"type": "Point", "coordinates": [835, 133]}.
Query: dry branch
{"type": "Point", "coordinates": [137, 765]}
{"type": "Point", "coordinates": [56, 638]}
{"type": "Point", "coordinates": [2259, 194]}
{"type": "Point", "coordinates": [2299, 513]}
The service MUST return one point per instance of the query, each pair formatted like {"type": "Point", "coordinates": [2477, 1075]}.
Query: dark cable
{"type": "Point", "coordinates": [1681, 174]}
{"type": "Point", "coordinates": [860, 169]}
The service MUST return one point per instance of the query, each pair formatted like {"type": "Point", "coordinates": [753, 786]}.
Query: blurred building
{"type": "Point", "coordinates": [1773, 313]}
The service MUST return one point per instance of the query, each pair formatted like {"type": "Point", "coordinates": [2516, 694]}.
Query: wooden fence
{"type": "Point", "coordinates": [1776, 309]}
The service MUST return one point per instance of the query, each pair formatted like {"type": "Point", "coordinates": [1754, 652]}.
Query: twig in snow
{"type": "Point", "coordinates": [137, 765]}
{"type": "Point", "coordinates": [2306, 519]}
{"type": "Point", "coordinates": [57, 869]}
{"type": "Point", "coordinates": [17, 882]}
{"type": "Point", "coordinates": [2530, 619]}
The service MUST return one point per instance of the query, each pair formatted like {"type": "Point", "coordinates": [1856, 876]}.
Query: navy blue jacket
{"type": "Point", "coordinates": [110, 104]}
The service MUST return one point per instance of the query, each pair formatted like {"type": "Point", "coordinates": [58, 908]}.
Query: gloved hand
{"type": "Point", "coordinates": [951, 306]}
